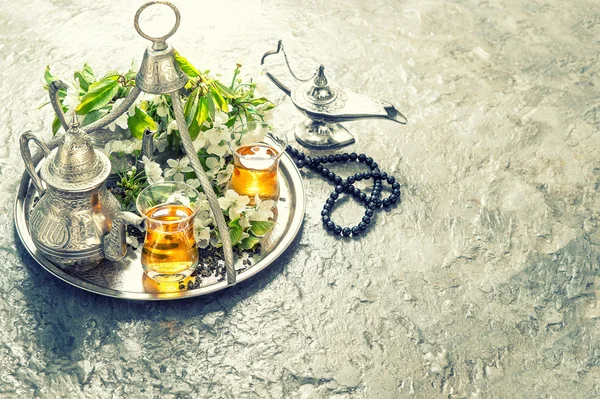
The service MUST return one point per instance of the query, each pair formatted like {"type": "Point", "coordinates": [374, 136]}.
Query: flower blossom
{"type": "Point", "coordinates": [153, 171]}
{"type": "Point", "coordinates": [178, 168]}
{"type": "Point", "coordinates": [234, 203]}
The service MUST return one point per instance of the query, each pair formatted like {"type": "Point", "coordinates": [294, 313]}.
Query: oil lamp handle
{"type": "Point", "coordinates": [29, 161]}
{"type": "Point", "coordinates": [276, 81]}
{"type": "Point", "coordinates": [158, 43]}
{"type": "Point", "coordinates": [53, 89]}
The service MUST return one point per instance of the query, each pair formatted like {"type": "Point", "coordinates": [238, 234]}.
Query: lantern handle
{"type": "Point", "coordinates": [158, 43]}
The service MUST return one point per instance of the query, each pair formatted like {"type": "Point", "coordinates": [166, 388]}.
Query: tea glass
{"type": "Point", "coordinates": [169, 252]}
{"type": "Point", "coordinates": [257, 151]}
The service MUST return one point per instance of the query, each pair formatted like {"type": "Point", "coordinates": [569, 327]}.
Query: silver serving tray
{"type": "Point", "coordinates": [126, 279]}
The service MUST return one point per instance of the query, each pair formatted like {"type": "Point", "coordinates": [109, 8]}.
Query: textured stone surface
{"type": "Point", "coordinates": [483, 283]}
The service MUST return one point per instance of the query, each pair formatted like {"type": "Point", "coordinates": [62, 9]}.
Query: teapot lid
{"type": "Point", "coordinates": [75, 165]}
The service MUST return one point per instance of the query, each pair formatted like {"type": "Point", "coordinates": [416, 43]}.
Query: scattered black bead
{"type": "Point", "coordinates": [366, 220]}
{"type": "Point", "coordinates": [358, 176]}
{"type": "Point", "coordinates": [331, 158]}
{"type": "Point", "coordinates": [374, 166]}
{"type": "Point", "coordinates": [376, 175]}
{"type": "Point", "coordinates": [395, 186]}
{"type": "Point", "coordinates": [384, 175]}
{"type": "Point", "coordinates": [319, 167]}
{"type": "Point", "coordinates": [317, 159]}
{"type": "Point", "coordinates": [345, 157]}
{"type": "Point", "coordinates": [337, 229]}
{"type": "Point", "coordinates": [355, 231]}
{"type": "Point", "coordinates": [324, 212]}
{"type": "Point", "coordinates": [362, 157]}
{"type": "Point", "coordinates": [366, 175]}
{"type": "Point", "coordinates": [324, 171]}
{"type": "Point", "coordinates": [351, 179]}
{"type": "Point", "coordinates": [393, 198]}
{"type": "Point", "coordinates": [372, 205]}
{"type": "Point", "coordinates": [300, 163]}
{"type": "Point", "coordinates": [301, 155]}
{"type": "Point", "coordinates": [338, 157]}
{"type": "Point", "coordinates": [386, 202]}
{"type": "Point", "coordinates": [346, 232]}
{"type": "Point", "coordinates": [339, 189]}
{"type": "Point", "coordinates": [369, 160]}
{"type": "Point", "coordinates": [330, 225]}
{"type": "Point", "coordinates": [334, 195]}
{"type": "Point", "coordinates": [363, 196]}
{"type": "Point", "coordinates": [378, 203]}
{"type": "Point", "coordinates": [353, 156]}
{"type": "Point", "coordinates": [344, 183]}
{"type": "Point", "coordinates": [327, 207]}
{"type": "Point", "coordinates": [337, 180]}
{"type": "Point", "coordinates": [391, 180]}
{"type": "Point", "coordinates": [326, 219]}
{"type": "Point", "coordinates": [331, 176]}
{"type": "Point", "coordinates": [396, 192]}
{"type": "Point", "coordinates": [362, 225]}
{"type": "Point", "coordinates": [350, 189]}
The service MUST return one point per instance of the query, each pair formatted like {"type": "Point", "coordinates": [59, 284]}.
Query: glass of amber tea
{"type": "Point", "coordinates": [256, 154]}
{"type": "Point", "coordinates": [169, 252]}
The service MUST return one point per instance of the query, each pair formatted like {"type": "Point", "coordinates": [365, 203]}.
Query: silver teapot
{"type": "Point", "coordinates": [77, 222]}
{"type": "Point", "coordinates": [326, 105]}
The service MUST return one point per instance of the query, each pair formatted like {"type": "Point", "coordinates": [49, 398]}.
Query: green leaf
{"type": "Point", "coordinates": [202, 113]}
{"type": "Point", "coordinates": [85, 77]}
{"type": "Point", "coordinates": [92, 117]}
{"type": "Point", "coordinates": [220, 101]}
{"type": "Point", "coordinates": [235, 233]}
{"type": "Point", "coordinates": [55, 125]}
{"type": "Point", "coordinates": [191, 106]}
{"type": "Point", "coordinates": [261, 228]}
{"type": "Point", "coordinates": [139, 122]}
{"type": "Point", "coordinates": [194, 129]}
{"type": "Point", "coordinates": [224, 90]}
{"type": "Point", "coordinates": [186, 66]}
{"type": "Point", "coordinates": [48, 77]}
{"type": "Point", "coordinates": [210, 102]}
{"type": "Point", "coordinates": [99, 95]}
{"type": "Point", "coordinates": [249, 242]}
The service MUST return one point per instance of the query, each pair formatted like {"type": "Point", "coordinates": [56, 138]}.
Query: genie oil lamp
{"type": "Point", "coordinates": [326, 105]}
{"type": "Point", "coordinates": [159, 73]}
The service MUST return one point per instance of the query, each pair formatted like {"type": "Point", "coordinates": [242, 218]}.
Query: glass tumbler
{"type": "Point", "coordinates": [256, 154]}
{"type": "Point", "coordinates": [169, 252]}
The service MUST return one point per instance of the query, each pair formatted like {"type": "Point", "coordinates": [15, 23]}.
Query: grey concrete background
{"type": "Point", "coordinates": [483, 283]}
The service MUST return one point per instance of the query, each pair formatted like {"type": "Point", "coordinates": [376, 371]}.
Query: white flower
{"type": "Point", "coordinates": [162, 109]}
{"type": "Point", "coordinates": [131, 240]}
{"type": "Point", "coordinates": [224, 175]}
{"type": "Point", "coordinates": [221, 119]}
{"type": "Point", "coordinates": [233, 202]}
{"type": "Point", "coordinates": [153, 170]}
{"type": "Point", "coordinates": [179, 196]}
{"type": "Point", "coordinates": [71, 101]}
{"type": "Point", "coordinates": [202, 235]}
{"type": "Point", "coordinates": [121, 121]}
{"type": "Point", "coordinates": [262, 210]}
{"type": "Point", "coordinates": [172, 126]}
{"type": "Point", "coordinates": [161, 144]}
{"type": "Point", "coordinates": [215, 137]}
{"type": "Point", "coordinates": [199, 143]}
{"type": "Point", "coordinates": [214, 165]}
{"type": "Point", "coordinates": [178, 168]}
{"type": "Point", "coordinates": [193, 182]}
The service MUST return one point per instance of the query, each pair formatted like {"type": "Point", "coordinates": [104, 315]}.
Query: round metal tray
{"type": "Point", "coordinates": [126, 279]}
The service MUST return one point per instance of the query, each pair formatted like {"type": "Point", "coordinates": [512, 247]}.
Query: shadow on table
{"type": "Point", "coordinates": [70, 319]}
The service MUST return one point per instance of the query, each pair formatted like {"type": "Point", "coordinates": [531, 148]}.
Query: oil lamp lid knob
{"type": "Point", "coordinates": [321, 92]}
{"type": "Point", "coordinates": [75, 165]}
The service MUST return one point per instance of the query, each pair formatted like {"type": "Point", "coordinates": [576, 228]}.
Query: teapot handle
{"type": "Point", "coordinates": [29, 164]}
{"type": "Point", "coordinates": [113, 243]}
